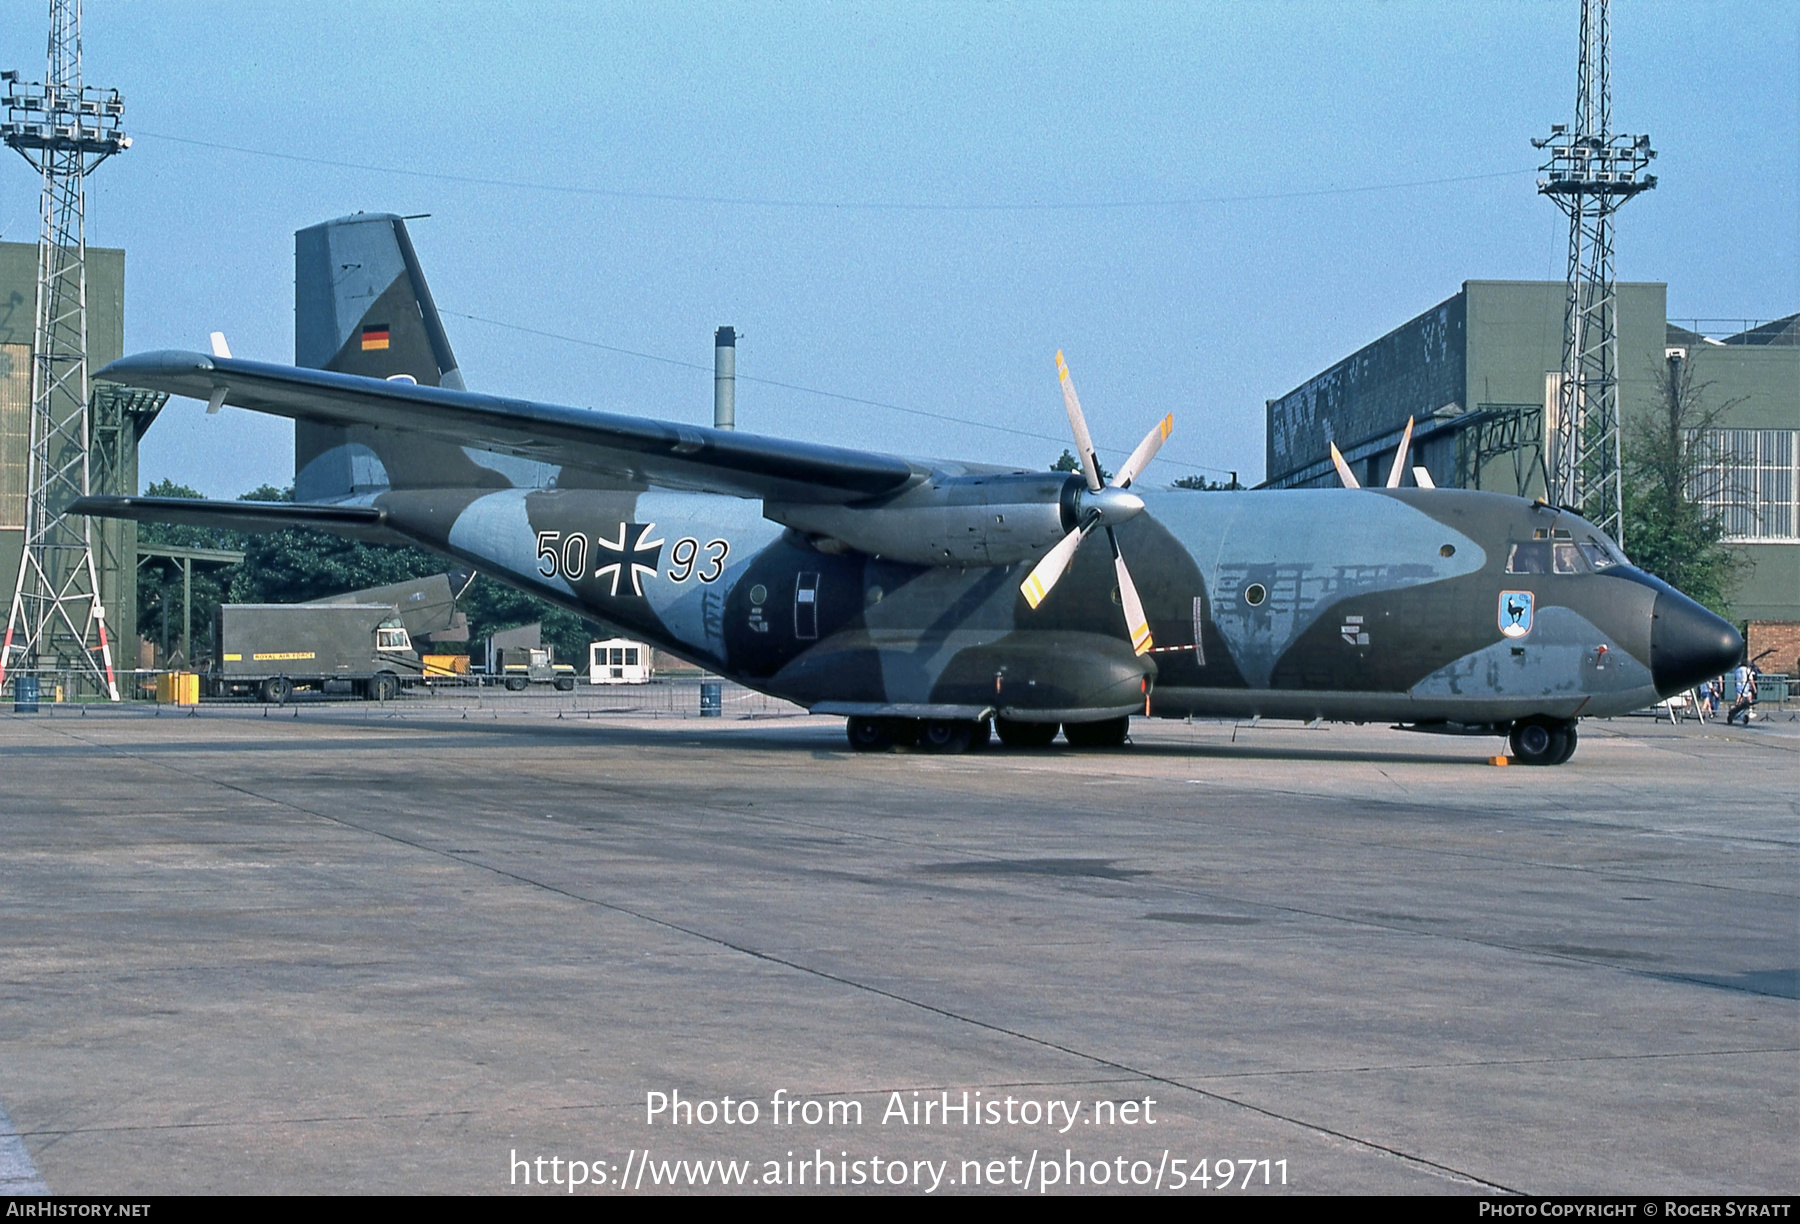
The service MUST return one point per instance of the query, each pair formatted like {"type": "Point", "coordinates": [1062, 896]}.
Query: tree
{"type": "Point", "coordinates": [1202, 484]}
{"type": "Point", "coordinates": [1067, 462]}
{"type": "Point", "coordinates": [159, 580]}
{"type": "Point", "coordinates": [1670, 468]}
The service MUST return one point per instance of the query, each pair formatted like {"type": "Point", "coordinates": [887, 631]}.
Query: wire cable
{"type": "Point", "coordinates": [788, 386]}
{"type": "Point", "coordinates": [670, 197]}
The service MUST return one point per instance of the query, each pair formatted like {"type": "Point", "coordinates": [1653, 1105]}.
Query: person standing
{"type": "Point", "coordinates": [1746, 693]}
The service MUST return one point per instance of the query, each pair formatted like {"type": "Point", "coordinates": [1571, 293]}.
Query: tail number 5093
{"type": "Point", "coordinates": [565, 556]}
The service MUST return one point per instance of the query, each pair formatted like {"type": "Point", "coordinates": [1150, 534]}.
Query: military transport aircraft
{"type": "Point", "coordinates": [932, 603]}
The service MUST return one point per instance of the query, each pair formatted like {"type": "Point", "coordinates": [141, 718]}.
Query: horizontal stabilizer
{"type": "Point", "coordinates": [362, 521]}
{"type": "Point", "coordinates": [632, 450]}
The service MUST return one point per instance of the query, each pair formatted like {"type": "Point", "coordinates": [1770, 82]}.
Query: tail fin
{"type": "Point", "coordinates": [361, 306]}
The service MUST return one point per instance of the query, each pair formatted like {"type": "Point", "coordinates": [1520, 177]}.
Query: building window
{"type": "Point", "coordinates": [1751, 479]}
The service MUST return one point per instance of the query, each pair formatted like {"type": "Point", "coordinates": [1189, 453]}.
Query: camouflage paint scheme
{"type": "Point", "coordinates": [1337, 604]}
{"type": "Point", "coordinates": [884, 634]}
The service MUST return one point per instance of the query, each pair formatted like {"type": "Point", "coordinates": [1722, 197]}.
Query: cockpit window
{"type": "Point", "coordinates": [1596, 556]}
{"type": "Point", "coordinates": [1545, 557]}
{"type": "Point", "coordinates": [1529, 558]}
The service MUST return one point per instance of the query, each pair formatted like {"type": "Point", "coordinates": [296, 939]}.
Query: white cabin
{"type": "Point", "coordinates": [618, 661]}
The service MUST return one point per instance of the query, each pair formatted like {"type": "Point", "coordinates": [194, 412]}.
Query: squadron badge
{"type": "Point", "coordinates": [1515, 613]}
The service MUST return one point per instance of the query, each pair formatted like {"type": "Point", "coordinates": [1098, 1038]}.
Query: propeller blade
{"type": "Point", "coordinates": [1048, 572]}
{"type": "Point", "coordinates": [1343, 468]}
{"type": "Point", "coordinates": [1135, 622]}
{"type": "Point", "coordinates": [1146, 451]}
{"type": "Point", "coordinates": [1400, 457]}
{"type": "Point", "coordinates": [1422, 478]}
{"type": "Point", "coordinates": [1084, 445]}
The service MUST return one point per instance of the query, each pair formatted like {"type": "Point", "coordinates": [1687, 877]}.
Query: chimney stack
{"type": "Point", "coordinates": [725, 378]}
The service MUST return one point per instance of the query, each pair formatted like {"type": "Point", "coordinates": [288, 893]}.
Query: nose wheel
{"type": "Point", "coordinates": [1543, 741]}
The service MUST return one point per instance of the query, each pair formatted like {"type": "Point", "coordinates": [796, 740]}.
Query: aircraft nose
{"type": "Point", "coordinates": [1688, 644]}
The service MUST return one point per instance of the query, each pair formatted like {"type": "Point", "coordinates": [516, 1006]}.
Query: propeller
{"type": "Point", "coordinates": [1105, 506]}
{"type": "Point", "coordinates": [1401, 455]}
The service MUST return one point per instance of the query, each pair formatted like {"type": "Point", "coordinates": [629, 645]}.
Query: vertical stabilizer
{"type": "Point", "coordinates": [361, 306]}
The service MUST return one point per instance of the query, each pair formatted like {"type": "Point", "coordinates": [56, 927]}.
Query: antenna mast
{"type": "Point", "coordinates": [1590, 173]}
{"type": "Point", "coordinates": [64, 129]}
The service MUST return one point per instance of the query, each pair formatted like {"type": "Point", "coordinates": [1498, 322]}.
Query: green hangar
{"type": "Point", "coordinates": [1479, 373]}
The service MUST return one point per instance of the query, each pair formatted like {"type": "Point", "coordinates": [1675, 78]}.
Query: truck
{"type": "Point", "coordinates": [518, 667]}
{"type": "Point", "coordinates": [518, 658]}
{"type": "Point", "coordinates": [267, 651]}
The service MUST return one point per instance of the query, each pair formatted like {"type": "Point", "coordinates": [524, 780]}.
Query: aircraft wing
{"type": "Point", "coordinates": [368, 523]}
{"type": "Point", "coordinates": [631, 449]}
{"type": "Point", "coordinates": [231, 515]}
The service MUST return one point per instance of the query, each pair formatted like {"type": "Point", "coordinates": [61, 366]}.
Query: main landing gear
{"type": "Point", "coordinates": [926, 734]}
{"type": "Point", "coordinates": [1541, 740]}
{"type": "Point", "coordinates": [951, 735]}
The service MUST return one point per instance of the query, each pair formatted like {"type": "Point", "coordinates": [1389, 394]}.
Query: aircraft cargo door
{"type": "Point", "coordinates": [806, 607]}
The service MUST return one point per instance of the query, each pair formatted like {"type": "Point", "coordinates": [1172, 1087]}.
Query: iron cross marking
{"type": "Point", "coordinates": [640, 557]}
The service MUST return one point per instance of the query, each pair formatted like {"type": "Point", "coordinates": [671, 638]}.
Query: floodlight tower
{"type": "Point", "coordinates": [64, 129]}
{"type": "Point", "coordinates": [1591, 172]}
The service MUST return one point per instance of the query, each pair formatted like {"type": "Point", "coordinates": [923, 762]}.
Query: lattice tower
{"type": "Point", "coordinates": [1590, 173]}
{"type": "Point", "coordinates": [64, 129]}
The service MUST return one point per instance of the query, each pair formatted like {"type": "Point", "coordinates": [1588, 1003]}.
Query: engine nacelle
{"type": "Point", "coordinates": [950, 520]}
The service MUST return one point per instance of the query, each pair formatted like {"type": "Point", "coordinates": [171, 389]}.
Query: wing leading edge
{"type": "Point", "coordinates": [358, 522]}
{"type": "Point", "coordinates": [633, 450]}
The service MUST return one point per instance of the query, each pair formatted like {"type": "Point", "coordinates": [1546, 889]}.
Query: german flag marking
{"type": "Point", "coordinates": [374, 337]}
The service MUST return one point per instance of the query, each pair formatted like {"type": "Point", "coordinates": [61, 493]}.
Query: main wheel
{"type": "Point", "coordinates": [277, 689]}
{"type": "Point", "coordinates": [1025, 734]}
{"type": "Point", "coordinates": [516, 684]}
{"type": "Point", "coordinates": [565, 684]}
{"type": "Point", "coordinates": [1110, 733]}
{"type": "Point", "coordinates": [868, 734]}
{"type": "Point", "coordinates": [1541, 741]}
{"type": "Point", "coordinates": [384, 687]}
{"type": "Point", "coordinates": [946, 735]}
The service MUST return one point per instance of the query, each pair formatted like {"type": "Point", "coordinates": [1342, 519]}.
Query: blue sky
{"type": "Point", "coordinates": [909, 203]}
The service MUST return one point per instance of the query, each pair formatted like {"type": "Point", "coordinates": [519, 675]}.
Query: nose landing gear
{"type": "Point", "coordinates": [1541, 740]}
